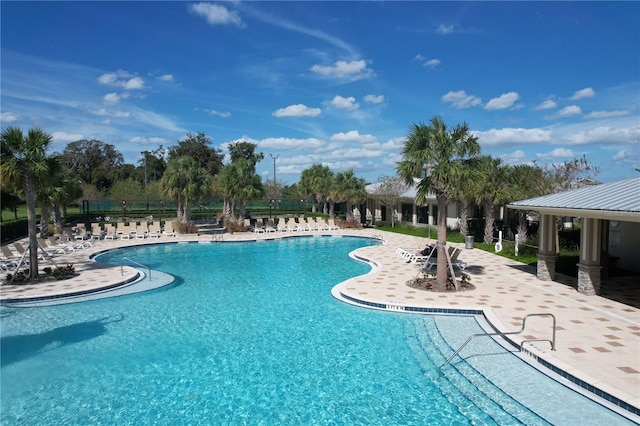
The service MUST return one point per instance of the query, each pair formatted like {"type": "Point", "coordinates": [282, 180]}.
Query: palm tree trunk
{"type": "Point", "coordinates": [349, 214]}
{"type": "Point", "coordinates": [489, 220]}
{"type": "Point", "coordinates": [464, 218]}
{"type": "Point", "coordinates": [45, 214]}
{"type": "Point", "coordinates": [522, 226]}
{"type": "Point", "coordinates": [30, 195]}
{"type": "Point", "coordinates": [332, 206]}
{"type": "Point", "coordinates": [441, 246]}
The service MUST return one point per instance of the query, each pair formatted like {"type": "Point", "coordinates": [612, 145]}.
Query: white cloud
{"type": "Point", "coordinates": [506, 100]}
{"type": "Point", "coordinates": [513, 136]}
{"type": "Point", "coordinates": [8, 117]}
{"type": "Point", "coordinates": [114, 98]}
{"type": "Point", "coordinates": [445, 29]}
{"type": "Point", "coordinates": [352, 136]}
{"type": "Point", "coordinates": [604, 135]}
{"type": "Point", "coordinates": [513, 158]}
{"type": "Point", "coordinates": [583, 94]}
{"type": "Point", "coordinates": [568, 111]}
{"type": "Point", "coordinates": [219, 113]}
{"type": "Point", "coordinates": [607, 114]}
{"type": "Point", "coordinates": [123, 79]}
{"type": "Point", "coordinates": [298, 110]}
{"type": "Point", "coordinates": [548, 104]}
{"type": "Point", "coordinates": [343, 70]}
{"type": "Point", "coordinates": [151, 140]}
{"type": "Point", "coordinates": [461, 100]}
{"type": "Point", "coordinates": [556, 153]}
{"type": "Point", "coordinates": [348, 104]}
{"type": "Point", "coordinates": [291, 144]}
{"type": "Point", "coordinates": [431, 63]}
{"type": "Point", "coordinates": [165, 77]}
{"type": "Point", "coordinates": [216, 14]}
{"type": "Point", "coordinates": [427, 63]}
{"type": "Point", "coordinates": [374, 99]}
{"type": "Point", "coordinates": [105, 112]}
{"type": "Point", "coordinates": [627, 156]}
{"type": "Point", "coordinates": [66, 137]}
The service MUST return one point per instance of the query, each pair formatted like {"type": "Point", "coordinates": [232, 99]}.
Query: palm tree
{"type": "Point", "coordinates": [526, 182]}
{"type": "Point", "coordinates": [436, 155]}
{"type": "Point", "coordinates": [349, 189]}
{"type": "Point", "coordinates": [187, 183]}
{"type": "Point", "coordinates": [317, 180]}
{"type": "Point", "coordinates": [24, 159]}
{"type": "Point", "coordinates": [494, 189]}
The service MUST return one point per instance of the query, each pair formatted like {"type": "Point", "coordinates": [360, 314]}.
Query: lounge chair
{"type": "Point", "coordinates": [126, 231]}
{"type": "Point", "coordinates": [141, 231]}
{"type": "Point", "coordinates": [167, 230]}
{"type": "Point", "coordinates": [79, 241]}
{"type": "Point", "coordinates": [97, 233]}
{"type": "Point", "coordinates": [332, 224]}
{"type": "Point", "coordinates": [51, 250]}
{"type": "Point", "coordinates": [432, 262]}
{"type": "Point", "coordinates": [58, 242]}
{"type": "Point", "coordinates": [23, 251]}
{"type": "Point", "coordinates": [315, 226]}
{"type": "Point", "coordinates": [110, 232]}
{"type": "Point", "coordinates": [154, 230]}
{"type": "Point", "coordinates": [282, 226]}
{"type": "Point", "coordinates": [323, 224]}
{"type": "Point", "coordinates": [258, 228]}
{"type": "Point", "coordinates": [9, 255]}
{"type": "Point", "coordinates": [292, 225]}
{"type": "Point", "coordinates": [270, 226]}
{"type": "Point", "coordinates": [304, 225]}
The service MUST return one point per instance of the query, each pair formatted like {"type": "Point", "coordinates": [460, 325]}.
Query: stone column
{"type": "Point", "coordinates": [546, 266]}
{"type": "Point", "coordinates": [546, 270]}
{"type": "Point", "coordinates": [589, 279]}
{"type": "Point", "coordinates": [589, 268]}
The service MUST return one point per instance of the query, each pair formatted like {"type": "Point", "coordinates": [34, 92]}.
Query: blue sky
{"type": "Point", "coordinates": [334, 83]}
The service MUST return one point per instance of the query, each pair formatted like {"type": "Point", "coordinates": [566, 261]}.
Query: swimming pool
{"type": "Point", "coordinates": [250, 334]}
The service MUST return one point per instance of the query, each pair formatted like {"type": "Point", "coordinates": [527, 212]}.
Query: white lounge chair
{"type": "Point", "coordinates": [282, 226]}
{"type": "Point", "coordinates": [167, 230]}
{"type": "Point", "coordinates": [292, 225]}
{"type": "Point", "coordinates": [332, 224]}
{"type": "Point", "coordinates": [258, 228]}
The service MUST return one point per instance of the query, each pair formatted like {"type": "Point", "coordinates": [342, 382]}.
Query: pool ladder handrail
{"type": "Point", "coordinates": [137, 263]}
{"type": "Point", "coordinates": [524, 320]}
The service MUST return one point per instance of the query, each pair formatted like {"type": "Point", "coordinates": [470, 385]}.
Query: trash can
{"type": "Point", "coordinates": [468, 241]}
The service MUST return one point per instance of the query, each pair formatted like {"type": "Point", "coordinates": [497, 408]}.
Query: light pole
{"type": "Point", "coordinates": [274, 166]}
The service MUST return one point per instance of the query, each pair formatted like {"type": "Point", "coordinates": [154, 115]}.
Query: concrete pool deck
{"type": "Point", "coordinates": [597, 341]}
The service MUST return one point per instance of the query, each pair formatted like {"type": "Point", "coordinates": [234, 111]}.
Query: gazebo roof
{"type": "Point", "coordinates": [615, 201]}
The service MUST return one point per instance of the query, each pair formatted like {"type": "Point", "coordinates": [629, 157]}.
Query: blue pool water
{"type": "Point", "coordinates": [250, 334]}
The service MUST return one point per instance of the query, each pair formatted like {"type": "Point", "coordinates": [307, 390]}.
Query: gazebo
{"type": "Point", "coordinates": [609, 217]}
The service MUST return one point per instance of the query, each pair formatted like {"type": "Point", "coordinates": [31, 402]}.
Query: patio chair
{"type": "Point", "coordinates": [167, 230]}
{"type": "Point", "coordinates": [282, 226]}
{"type": "Point", "coordinates": [332, 224]}
{"type": "Point", "coordinates": [292, 225]}
{"type": "Point", "coordinates": [270, 226]}
{"type": "Point", "coordinates": [258, 227]}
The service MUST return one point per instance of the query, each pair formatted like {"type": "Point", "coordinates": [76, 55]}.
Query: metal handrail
{"type": "Point", "coordinates": [137, 263]}
{"type": "Point", "coordinates": [524, 320]}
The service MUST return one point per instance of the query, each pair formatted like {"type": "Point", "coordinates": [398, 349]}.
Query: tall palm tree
{"type": "Point", "coordinates": [349, 189]}
{"type": "Point", "coordinates": [436, 155]}
{"type": "Point", "coordinates": [317, 180]}
{"type": "Point", "coordinates": [494, 190]}
{"type": "Point", "coordinates": [24, 159]}
{"type": "Point", "coordinates": [187, 183]}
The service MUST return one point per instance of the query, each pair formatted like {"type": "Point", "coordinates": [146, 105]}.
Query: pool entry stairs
{"type": "Point", "coordinates": [475, 396]}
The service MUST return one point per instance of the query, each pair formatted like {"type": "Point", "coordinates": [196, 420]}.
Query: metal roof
{"type": "Point", "coordinates": [616, 199]}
